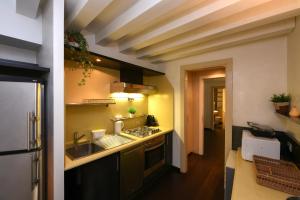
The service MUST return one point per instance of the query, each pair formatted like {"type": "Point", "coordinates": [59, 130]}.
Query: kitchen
{"type": "Point", "coordinates": [103, 112]}
{"type": "Point", "coordinates": [98, 113]}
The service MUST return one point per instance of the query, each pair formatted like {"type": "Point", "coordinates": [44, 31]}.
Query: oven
{"type": "Point", "coordinates": [154, 155]}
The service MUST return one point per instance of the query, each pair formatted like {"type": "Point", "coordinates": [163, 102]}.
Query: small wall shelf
{"type": "Point", "coordinates": [11, 67]}
{"type": "Point", "coordinates": [293, 119]}
{"type": "Point", "coordinates": [125, 118]}
{"type": "Point", "coordinates": [93, 102]}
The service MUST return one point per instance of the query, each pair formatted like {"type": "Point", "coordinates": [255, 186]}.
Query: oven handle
{"type": "Point", "coordinates": [154, 147]}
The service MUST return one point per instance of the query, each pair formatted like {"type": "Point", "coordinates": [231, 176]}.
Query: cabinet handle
{"type": "Point", "coordinates": [117, 163]}
{"type": "Point", "coordinates": [154, 147]}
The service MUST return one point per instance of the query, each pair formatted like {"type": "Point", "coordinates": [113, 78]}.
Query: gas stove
{"type": "Point", "coordinates": [142, 131]}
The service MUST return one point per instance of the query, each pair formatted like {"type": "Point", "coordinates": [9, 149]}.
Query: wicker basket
{"type": "Point", "coordinates": [277, 174]}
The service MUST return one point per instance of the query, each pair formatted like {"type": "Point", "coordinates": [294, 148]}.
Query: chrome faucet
{"type": "Point", "coordinates": [77, 137]}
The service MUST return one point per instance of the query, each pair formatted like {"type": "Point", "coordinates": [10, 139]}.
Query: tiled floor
{"type": "Point", "coordinates": [204, 180]}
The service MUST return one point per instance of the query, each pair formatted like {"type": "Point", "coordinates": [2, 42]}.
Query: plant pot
{"type": "Point", "coordinates": [73, 44]}
{"type": "Point", "coordinates": [282, 107]}
{"type": "Point", "coordinates": [131, 115]}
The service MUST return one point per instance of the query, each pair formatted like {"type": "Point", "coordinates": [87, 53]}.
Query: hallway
{"type": "Point", "coordinates": [204, 180]}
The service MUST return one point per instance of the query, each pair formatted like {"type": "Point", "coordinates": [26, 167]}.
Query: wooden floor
{"type": "Point", "coordinates": [205, 177]}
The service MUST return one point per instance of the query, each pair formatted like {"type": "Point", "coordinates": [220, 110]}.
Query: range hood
{"type": "Point", "coordinates": [132, 88]}
{"type": "Point", "coordinates": [131, 81]}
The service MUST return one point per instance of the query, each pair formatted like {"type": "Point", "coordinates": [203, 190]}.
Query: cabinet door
{"type": "Point", "coordinates": [131, 171]}
{"type": "Point", "coordinates": [169, 148]}
{"type": "Point", "coordinates": [73, 184]}
{"type": "Point", "coordinates": [98, 180]}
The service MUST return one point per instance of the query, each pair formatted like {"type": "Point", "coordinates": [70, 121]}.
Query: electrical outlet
{"type": "Point", "coordinates": [290, 147]}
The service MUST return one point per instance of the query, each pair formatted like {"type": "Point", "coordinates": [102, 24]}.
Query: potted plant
{"type": "Point", "coordinates": [78, 52]}
{"type": "Point", "coordinates": [281, 103]}
{"type": "Point", "coordinates": [131, 111]}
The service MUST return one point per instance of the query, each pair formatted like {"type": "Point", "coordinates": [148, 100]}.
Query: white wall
{"type": "Point", "coordinates": [17, 54]}
{"type": "Point", "coordinates": [209, 84]}
{"type": "Point", "coordinates": [19, 26]}
{"type": "Point", "coordinates": [293, 61]}
{"type": "Point", "coordinates": [51, 55]}
{"type": "Point", "coordinates": [20, 36]}
{"type": "Point", "coordinates": [259, 70]}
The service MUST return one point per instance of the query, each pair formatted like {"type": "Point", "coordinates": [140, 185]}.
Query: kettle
{"type": "Point", "coordinates": [151, 121]}
{"type": "Point", "coordinates": [119, 125]}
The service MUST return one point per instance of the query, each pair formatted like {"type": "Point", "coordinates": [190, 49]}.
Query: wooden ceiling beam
{"type": "Point", "coordinates": [84, 12]}
{"type": "Point", "coordinates": [266, 31]}
{"type": "Point", "coordinates": [206, 14]}
{"type": "Point", "coordinates": [265, 14]}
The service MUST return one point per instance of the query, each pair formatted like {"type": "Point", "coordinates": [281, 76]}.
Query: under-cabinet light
{"type": "Point", "coordinates": [127, 96]}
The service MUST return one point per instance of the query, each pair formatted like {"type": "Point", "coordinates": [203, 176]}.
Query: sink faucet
{"type": "Point", "coordinates": [77, 136]}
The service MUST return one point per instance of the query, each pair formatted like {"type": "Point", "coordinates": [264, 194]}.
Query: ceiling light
{"type": "Point", "coordinates": [98, 60]}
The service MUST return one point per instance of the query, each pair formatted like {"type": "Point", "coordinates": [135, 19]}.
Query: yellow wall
{"type": "Point", "coordinates": [83, 118]}
{"type": "Point", "coordinates": [293, 61]}
{"type": "Point", "coordinates": [161, 104]}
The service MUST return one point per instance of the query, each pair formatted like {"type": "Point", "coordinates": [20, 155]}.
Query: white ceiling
{"type": "Point", "coordinates": [165, 30]}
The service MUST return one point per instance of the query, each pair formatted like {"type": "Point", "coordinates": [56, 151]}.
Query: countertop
{"type": "Point", "coordinates": [231, 160]}
{"type": "Point", "coordinates": [245, 186]}
{"type": "Point", "coordinates": [69, 164]}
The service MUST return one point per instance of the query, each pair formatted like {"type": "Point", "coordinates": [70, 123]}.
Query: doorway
{"type": "Point", "coordinates": [218, 107]}
{"type": "Point", "coordinates": [214, 103]}
{"type": "Point", "coordinates": [205, 127]}
{"type": "Point", "coordinates": [194, 66]}
{"type": "Point", "coordinates": [199, 90]}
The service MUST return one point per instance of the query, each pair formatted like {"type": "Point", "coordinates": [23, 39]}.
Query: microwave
{"type": "Point", "coordinates": [261, 146]}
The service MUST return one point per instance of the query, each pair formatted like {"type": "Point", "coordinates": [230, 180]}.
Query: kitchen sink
{"type": "Point", "coordinates": [81, 150]}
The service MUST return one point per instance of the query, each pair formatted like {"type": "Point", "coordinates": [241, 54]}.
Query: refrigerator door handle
{"type": "Point", "coordinates": [29, 130]}
{"type": "Point", "coordinates": [34, 130]}
{"type": "Point", "coordinates": [35, 169]}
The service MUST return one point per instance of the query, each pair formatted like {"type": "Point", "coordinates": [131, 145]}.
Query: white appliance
{"type": "Point", "coordinates": [119, 125]}
{"type": "Point", "coordinates": [261, 146]}
{"type": "Point", "coordinates": [99, 133]}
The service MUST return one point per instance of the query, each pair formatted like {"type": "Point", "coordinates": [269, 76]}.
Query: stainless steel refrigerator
{"type": "Point", "coordinates": [21, 140]}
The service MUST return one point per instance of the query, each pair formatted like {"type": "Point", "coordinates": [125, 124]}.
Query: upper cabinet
{"type": "Point", "coordinates": [98, 82]}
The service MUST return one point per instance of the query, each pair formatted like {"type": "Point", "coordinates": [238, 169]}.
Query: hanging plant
{"type": "Point", "coordinates": [78, 52]}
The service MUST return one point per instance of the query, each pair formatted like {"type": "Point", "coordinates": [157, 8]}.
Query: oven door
{"type": "Point", "coordinates": [154, 155]}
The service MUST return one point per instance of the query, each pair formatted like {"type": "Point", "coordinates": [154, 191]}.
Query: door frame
{"type": "Point", "coordinates": [227, 64]}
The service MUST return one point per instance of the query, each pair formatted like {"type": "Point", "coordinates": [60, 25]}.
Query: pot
{"type": "Point", "coordinates": [131, 115]}
{"type": "Point", "coordinates": [282, 107]}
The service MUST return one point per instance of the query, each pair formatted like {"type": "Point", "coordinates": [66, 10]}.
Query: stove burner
{"type": "Point", "coordinates": [142, 131]}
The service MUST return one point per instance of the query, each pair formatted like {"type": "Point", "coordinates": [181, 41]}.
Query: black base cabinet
{"type": "Point", "coordinates": [131, 171]}
{"type": "Point", "coordinates": [98, 180]}
{"type": "Point", "coordinates": [115, 177]}
{"type": "Point", "coordinates": [169, 148]}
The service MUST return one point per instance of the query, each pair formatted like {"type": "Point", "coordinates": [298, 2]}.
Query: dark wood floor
{"type": "Point", "coordinates": [205, 177]}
